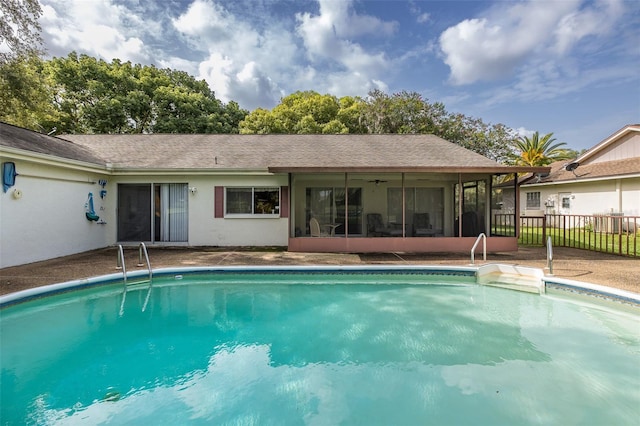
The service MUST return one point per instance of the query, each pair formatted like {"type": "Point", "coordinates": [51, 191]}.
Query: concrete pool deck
{"type": "Point", "coordinates": [573, 264]}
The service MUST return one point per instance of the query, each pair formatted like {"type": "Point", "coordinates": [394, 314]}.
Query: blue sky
{"type": "Point", "coordinates": [570, 67]}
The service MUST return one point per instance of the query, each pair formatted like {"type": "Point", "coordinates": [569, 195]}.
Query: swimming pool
{"type": "Point", "coordinates": [275, 346]}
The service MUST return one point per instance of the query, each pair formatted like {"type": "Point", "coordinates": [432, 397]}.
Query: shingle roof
{"type": "Point", "coordinates": [275, 153]}
{"type": "Point", "coordinates": [613, 169]}
{"type": "Point", "coordinates": [28, 140]}
{"type": "Point", "coordinates": [281, 152]}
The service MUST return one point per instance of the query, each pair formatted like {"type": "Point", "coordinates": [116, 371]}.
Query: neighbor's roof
{"type": "Point", "coordinates": [288, 153]}
{"type": "Point", "coordinates": [629, 167]}
{"type": "Point", "coordinates": [28, 140]}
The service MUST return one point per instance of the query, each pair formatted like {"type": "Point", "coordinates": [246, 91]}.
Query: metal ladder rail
{"type": "Point", "coordinates": [482, 237]}
{"type": "Point", "coordinates": [142, 250]}
{"type": "Point", "coordinates": [120, 264]}
{"type": "Point", "coordinates": [550, 255]}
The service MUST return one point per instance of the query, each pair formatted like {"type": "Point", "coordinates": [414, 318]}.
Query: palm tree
{"type": "Point", "coordinates": [540, 151]}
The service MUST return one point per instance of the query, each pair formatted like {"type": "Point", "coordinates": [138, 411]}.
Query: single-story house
{"type": "Point", "coordinates": [315, 193]}
{"type": "Point", "coordinates": [604, 180]}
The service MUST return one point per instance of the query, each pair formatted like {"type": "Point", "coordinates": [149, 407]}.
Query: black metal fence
{"type": "Point", "coordinates": [616, 234]}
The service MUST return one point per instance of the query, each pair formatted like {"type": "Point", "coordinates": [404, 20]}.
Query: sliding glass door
{"type": "Point", "coordinates": [171, 213]}
{"type": "Point", "coordinates": [134, 212]}
{"type": "Point", "coordinates": [169, 205]}
{"type": "Point", "coordinates": [332, 205]}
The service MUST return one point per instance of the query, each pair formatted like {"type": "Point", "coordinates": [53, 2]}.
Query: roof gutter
{"type": "Point", "coordinates": [580, 180]}
{"type": "Point", "coordinates": [52, 160]}
{"type": "Point", "coordinates": [412, 169]}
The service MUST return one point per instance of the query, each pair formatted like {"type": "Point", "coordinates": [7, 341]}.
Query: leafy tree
{"type": "Point", "coordinates": [302, 112]}
{"type": "Point", "coordinates": [408, 112]}
{"type": "Point", "coordinates": [19, 29]}
{"type": "Point", "coordinates": [404, 112]}
{"type": "Point", "coordinates": [21, 85]}
{"type": "Point", "coordinates": [95, 96]}
{"type": "Point", "coordinates": [25, 98]}
{"type": "Point", "coordinates": [539, 151]}
{"type": "Point", "coordinates": [350, 113]}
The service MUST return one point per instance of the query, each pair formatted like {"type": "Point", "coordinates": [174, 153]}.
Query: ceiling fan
{"type": "Point", "coordinates": [377, 181]}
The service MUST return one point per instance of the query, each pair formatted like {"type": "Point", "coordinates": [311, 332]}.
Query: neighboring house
{"type": "Point", "coordinates": [75, 193]}
{"type": "Point", "coordinates": [605, 180]}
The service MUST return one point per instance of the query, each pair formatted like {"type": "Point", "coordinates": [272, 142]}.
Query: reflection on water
{"type": "Point", "coordinates": [295, 353]}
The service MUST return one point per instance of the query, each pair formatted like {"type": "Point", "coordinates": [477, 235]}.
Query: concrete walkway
{"type": "Point", "coordinates": [574, 264]}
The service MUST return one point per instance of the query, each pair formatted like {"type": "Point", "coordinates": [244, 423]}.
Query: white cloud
{"type": "Point", "coordinates": [329, 42]}
{"type": "Point", "coordinates": [595, 20]}
{"type": "Point", "coordinates": [328, 35]}
{"type": "Point", "coordinates": [423, 17]}
{"type": "Point", "coordinates": [98, 28]}
{"type": "Point", "coordinates": [256, 65]}
{"type": "Point", "coordinates": [243, 63]}
{"type": "Point", "coordinates": [494, 46]}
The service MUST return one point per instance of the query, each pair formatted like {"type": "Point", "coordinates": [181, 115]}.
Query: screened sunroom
{"type": "Point", "coordinates": [396, 211]}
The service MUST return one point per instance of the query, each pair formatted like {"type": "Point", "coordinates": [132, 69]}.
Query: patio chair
{"type": "Point", "coordinates": [422, 226]}
{"type": "Point", "coordinates": [314, 228]}
{"type": "Point", "coordinates": [376, 227]}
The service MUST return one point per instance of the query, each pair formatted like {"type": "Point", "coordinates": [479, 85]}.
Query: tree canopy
{"type": "Point", "coordinates": [82, 94]}
{"type": "Point", "coordinates": [85, 95]}
{"type": "Point", "coordinates": [304, 113]}
{"type": "Point", "coordinates": [403, 112]}
{"type": "Point", "coordinates": [19, 29]}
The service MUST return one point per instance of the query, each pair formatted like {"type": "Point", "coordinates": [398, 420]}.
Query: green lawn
{"type": "Point", "coordinates": [627, 244]}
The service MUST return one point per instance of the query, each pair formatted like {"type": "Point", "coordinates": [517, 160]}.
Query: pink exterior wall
{"type": "Point", "coordinates": [406, 245]}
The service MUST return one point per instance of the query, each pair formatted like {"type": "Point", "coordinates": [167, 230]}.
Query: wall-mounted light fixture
{"type": "Point", "coordinates": [193, 190]}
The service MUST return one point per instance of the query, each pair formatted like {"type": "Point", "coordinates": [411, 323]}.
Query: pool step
{"type": "Point", "coordinates": [511, 277]}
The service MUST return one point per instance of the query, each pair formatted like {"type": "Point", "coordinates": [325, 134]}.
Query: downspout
{"type": "Point", "coordinates": [346, 205]}
{"type": "Point", "coordinates": [516, 213]}
{"type": "Point", "coordinates": [619, 194]}
{"type": "Point", "coordinates": [403, 208]}
{"type": "Point", "coordinates": [291, 221]}
{"type": "Point", "coordinates": [460, 195]}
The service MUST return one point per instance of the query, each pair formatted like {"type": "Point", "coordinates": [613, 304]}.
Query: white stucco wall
{"type": "Point", "coordinates": [48, 220]}
{"type": "Point", "coordinates": [207, 230]}
{"type": "Point", "coordinates": [587, 198]}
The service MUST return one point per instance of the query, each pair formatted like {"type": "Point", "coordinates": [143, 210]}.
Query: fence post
{"type": "Point", "coordinates": [544, 229]}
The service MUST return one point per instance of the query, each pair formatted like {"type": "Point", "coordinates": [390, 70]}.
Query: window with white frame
{"type": "Point", "coordinates": [533, 200]}
{"type": "Point", "coordinates": [252, 201]}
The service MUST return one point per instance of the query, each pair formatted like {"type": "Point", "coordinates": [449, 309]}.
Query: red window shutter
{"type": "Point", "coordinates": [219, 201]}
{"type": "Point", "coordinates": [284, 201]}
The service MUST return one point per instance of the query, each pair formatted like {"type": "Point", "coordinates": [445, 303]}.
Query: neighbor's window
{"type": "Point", "coordinates": [566, 202]}
{"type": "Point", "coordinates": [533, 200]}
{"type": "Point", "coordinates": [252, 201]}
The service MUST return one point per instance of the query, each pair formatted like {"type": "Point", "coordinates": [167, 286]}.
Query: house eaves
{"type": "Point", "coordinates": [576, 181]}
{"type": "Point", "coordinates": [410, 169]}
{"type": "Point", "coordinates": [188, 172]}
{"type": "Point", "coordinates": [608, 141]}
{"type": "Point", "coordinates": [49, 160]}
{"type": "Point", "coordinates": [38, 145]}
{"type": "Point", "coordinates": [616, 169]}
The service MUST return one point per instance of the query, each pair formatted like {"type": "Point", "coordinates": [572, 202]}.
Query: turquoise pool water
{"type": "Point", "coordinates": [303, 348]}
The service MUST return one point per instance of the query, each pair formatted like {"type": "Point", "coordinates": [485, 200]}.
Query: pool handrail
{"type": "Point", "coordinates": [484, 247]}
{"type": "Point", "coordinates": [550, 255]}
{"type": "Point", "coordinates": [142, 249]}
{"type": "Point", "coordinates": [120, 264]}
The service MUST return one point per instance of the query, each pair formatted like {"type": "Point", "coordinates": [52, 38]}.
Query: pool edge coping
{"type": "Point", "coordinates": [594, 290]}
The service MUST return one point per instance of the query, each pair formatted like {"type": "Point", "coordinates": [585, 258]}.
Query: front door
{"type": "Point", "coordinates": [564, 199]}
